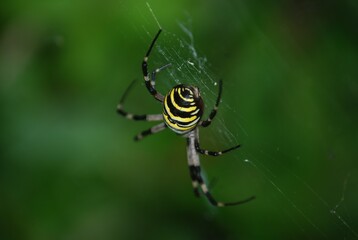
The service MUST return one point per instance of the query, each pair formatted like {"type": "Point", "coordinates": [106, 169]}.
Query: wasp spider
{"type": "Point", "coordinates": [183, 109]}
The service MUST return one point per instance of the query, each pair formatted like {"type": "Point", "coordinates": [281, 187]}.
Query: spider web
{"type": "Point", "coordinates": [253, 164]}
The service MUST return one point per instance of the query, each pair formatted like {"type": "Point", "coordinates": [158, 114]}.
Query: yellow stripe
{"type": "Point", "coordinates": [182, 97]}
{"type": "Point", "coordinates": [192, 123]}
{"type": "Point", "coordinates": [176, 118]}
{"type": "Point", "coordinates": [175, 126]}
{"type": "Point", "coordinates": [183, 109]}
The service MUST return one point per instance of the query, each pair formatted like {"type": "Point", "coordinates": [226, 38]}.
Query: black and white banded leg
{"type": "Point", "coordinates": [212, 153]}
{"type": "Point", "coordinates": [150, 131]}
{"type": "Point", "coordinates": [195, 173]}
{"type": "Point", "coordinates": [213, 112]}
{"type": "Point", "coordinates": [193, 163]}
{"type": "Point", "coordinates": [136, 117]}
{"type": "Point", "coordinates": [148, 82]}
{"type": "Point", "coordinates": [154, 74]}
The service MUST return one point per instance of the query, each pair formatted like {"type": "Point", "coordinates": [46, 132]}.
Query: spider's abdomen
{"type": "Point", "coordinates": [183, 108]}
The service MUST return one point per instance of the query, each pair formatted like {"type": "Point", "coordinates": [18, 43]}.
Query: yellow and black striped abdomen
{"type": "Point", "coordinates": [183, 108]}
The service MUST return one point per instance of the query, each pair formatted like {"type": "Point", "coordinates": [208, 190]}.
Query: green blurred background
{"type": "Point", "coordinates": [70, 169]}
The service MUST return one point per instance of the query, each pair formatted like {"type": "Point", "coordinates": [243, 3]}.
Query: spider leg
{"type": "Point", "coordinates": [207, 122]}
{"type": "Point", "coordinates": [143, 117]}
{"type": "Point", "coordinates": [150, 131]}
{"type": "Point", "coordinates": [195, 173]}
{"type": "Point", "coordinates": [154, 73]}
{"type": "Point", "coordinates": [212, 153]}
{"type": "Point", "coordinates": [147, 80]}
{"type": "Point", "coordinates": [194, 164]}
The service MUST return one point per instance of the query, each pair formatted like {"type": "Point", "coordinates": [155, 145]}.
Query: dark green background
{"type": "Point", "coordinates": [69, 168]}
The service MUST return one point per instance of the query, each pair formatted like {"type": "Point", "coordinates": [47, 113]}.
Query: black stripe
{"type": "Point", "coordinates": [178, 100]}
{"type": "Point", "coordinates": [121, 112]}
{"type": "Point", "coordinates": [195, 174]}
{"type": "Point", "coordinates": [193, 170]}
{"type": "Point", "coordinates": [145, 68]}
{"type": "Point", "coordinates": [134, 117]}
{"type": "Point", "coordinates": [150, 88]}
{"type": "Point", "coordinates": [143, 134]}
{"type": "Point", "coordinates": [139, 117]}
{"type": "Point", "coordinates": [176, 112]}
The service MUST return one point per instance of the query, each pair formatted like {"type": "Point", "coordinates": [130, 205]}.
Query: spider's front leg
{"type": "Point", "coordinates": [195, 173]}
{"type": "Point", "coordinates": [154, 73]}
{"type": "Point", "coordinates": [150, 80]}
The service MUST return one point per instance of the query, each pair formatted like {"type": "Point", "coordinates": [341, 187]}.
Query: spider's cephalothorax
{"type": "Point", "coordinates": [183, 108]}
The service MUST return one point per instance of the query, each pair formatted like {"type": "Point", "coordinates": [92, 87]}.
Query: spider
{"type": "Point", "coordinates": [183, 109]}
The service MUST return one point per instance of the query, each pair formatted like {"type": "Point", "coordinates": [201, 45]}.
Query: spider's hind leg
{"type": "Point", "coordinates": [196, 176]}
{"type": "Point", "coordinates": [194, 179]}
{"type": "Point", "coordinates": [196, 172]}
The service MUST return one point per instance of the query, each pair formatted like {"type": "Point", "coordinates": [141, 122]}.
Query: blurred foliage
{"type": "Point", "coordinates": [70, 170]}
